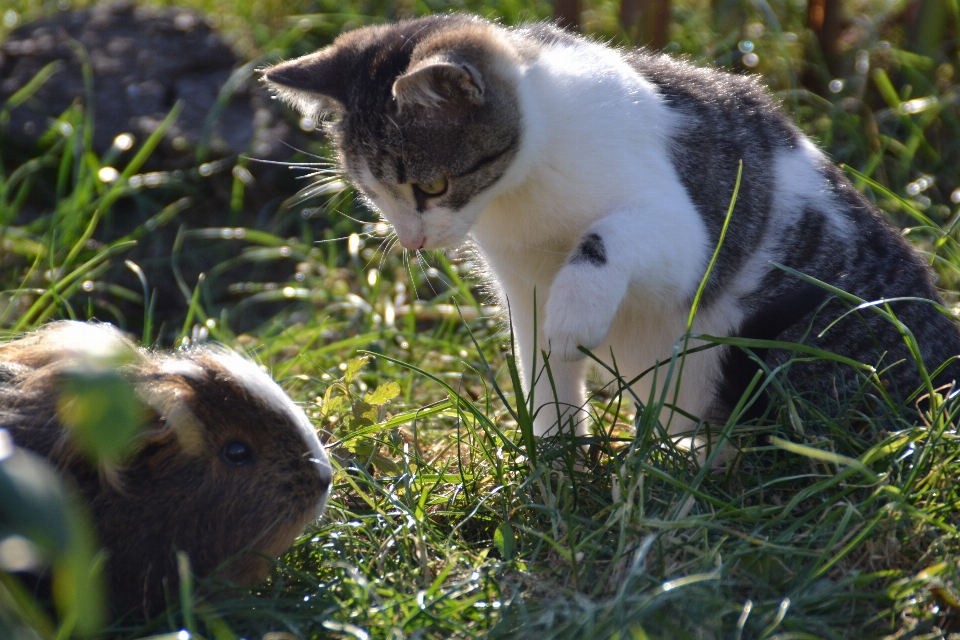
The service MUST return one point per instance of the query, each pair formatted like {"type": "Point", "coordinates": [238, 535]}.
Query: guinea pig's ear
{"type": "Point", "coordinates": [172, 424]}
{"type": "Point", "coordinates": [439, 84]}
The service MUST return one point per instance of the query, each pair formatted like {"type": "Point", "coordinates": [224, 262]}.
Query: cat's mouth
{"type": "Point", "coordinates": [414, 244]}
{"type": "Point", "coordinates": [437, 228]}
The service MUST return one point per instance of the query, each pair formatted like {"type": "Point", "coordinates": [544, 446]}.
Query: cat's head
{"type": "Point", "coordinates": [428, 118]}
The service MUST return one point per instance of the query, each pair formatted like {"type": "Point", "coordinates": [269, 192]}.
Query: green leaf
{"type": "Point", "coordinates": [354, 367]}
{"type": "Point", "coordinates": [504, 540]}
{"type": "Point", "coordinates": [32, 501]}
{"type": "Point", "coordinates": [362, 410]}
{"type": "Point", "coordinates": [31, 87]}
{"type": "Point", "coordinates": [825, 456]}
{"type": "Point", "coordinates": [34, 505]}
{"type": "Point", "coordinates": [385, 464]}
{"type": "Point", "coordinates": [358, 422]}
{"type": "Point", "coordinates": [637, 633]}
{"type": "Point", "coordinates": [332, 405]}
{"type": "Point", "coordinates": [383, 394]}
{"type": "Point", "coordinates": [102, 409]}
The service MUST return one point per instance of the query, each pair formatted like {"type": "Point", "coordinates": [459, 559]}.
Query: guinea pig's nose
{"type": "Point", "coordinates": [326, 473]}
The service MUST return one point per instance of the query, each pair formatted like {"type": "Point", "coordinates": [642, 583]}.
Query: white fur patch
{"type": "Point", "coordinates": [179, 367]}
{"type": "Point", "coordinates": [592, 161]}
{"type": "Point", "coordinates": [87, 340]}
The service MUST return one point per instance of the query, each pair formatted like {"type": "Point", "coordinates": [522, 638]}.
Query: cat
{"type": "Point", "coordinates": [596, 182]}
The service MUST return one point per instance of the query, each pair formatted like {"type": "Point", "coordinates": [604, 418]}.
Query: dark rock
{"type": "Point", "coordinates": [143, 60]}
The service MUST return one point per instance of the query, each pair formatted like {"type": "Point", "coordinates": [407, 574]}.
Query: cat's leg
{"type": "Point", "coordinates": [559, 401]}
{"type": "Point", "coordinates": [556, 386]}
{"type": "Point", "coordinates": [658, 260]}
{"type": "Point", "coordinates": [661, 257]}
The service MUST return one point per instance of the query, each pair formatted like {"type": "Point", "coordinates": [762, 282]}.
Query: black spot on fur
{"type": "Point", "coordinates": [591, 250]}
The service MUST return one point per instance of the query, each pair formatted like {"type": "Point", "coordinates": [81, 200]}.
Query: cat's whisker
{"type": "Point", "coordinates": [420, 260]}
{"type": "Point", "coordinates": [341, 238]}
{"type": "Point", "coordinates": [413, 282]}
{"type": "Point", "coordinates": [391, 244]}
{"type": "Point", "coordinates": [375, 252]}
{"type": "Point", "coordinates": [313, 191]}
{"type": "Point", "coordinates": [295, 164]}
{"type": "Point", "coordinates": [330, 174]}
{"type": "Point", "coordinates": [384, 249]}
{"type": "Point", "coordinates": [307, 153]}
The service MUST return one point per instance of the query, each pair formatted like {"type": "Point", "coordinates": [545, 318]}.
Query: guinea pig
{"type": "Point", "coordinates": [226, 467]}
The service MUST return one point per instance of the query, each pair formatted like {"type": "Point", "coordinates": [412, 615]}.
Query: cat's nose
{"type": "Point", "coordinates": [414, 244]}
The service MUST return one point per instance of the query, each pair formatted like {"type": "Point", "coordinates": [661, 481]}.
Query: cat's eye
{"type": "Point", "coordinates": [436, 187]}
{"type": "Point", "coordinates": [236, 453]}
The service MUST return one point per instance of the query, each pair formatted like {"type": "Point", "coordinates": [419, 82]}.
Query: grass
{"type": "Point", "coordinates": [447, 520]}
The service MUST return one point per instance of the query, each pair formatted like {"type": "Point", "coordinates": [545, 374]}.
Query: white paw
{"type": "Point", "coordinates": [579, 313]}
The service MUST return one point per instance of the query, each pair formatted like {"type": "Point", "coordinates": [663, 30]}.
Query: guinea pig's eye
{"type": "Point", "coordinates": [434, 188]}
{"type": "Point", "coordinates": [236, 453]}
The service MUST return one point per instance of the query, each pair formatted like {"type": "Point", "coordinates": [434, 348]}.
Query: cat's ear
{"type": "Point", "coordinates": [439, 85]}
{"type": "Point", "coordinates": [310, 82]}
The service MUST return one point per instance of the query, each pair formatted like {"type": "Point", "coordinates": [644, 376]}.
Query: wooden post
{"type": "Point", "coordinates": [823, 18]}
{"type": "Point", "coordinates": [646, 22]}
{"type": "Point", "coordinates": [567, 13]}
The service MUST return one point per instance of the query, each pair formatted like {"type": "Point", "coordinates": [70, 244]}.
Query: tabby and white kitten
{"type": "Point", "coordinates": [600, 179]}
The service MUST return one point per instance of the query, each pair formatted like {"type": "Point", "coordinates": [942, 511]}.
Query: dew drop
{"type": "Point", "coordinates": [18, 554]}
{"type": "Point", "coordinates": [108, 174]}
{"type": "Point", "coordinates": [124, 141]}
{"type": "Point", "coordinates": [353, 245]}
{"type": "Point", "coordinates": [243, 175]}
{"type": "Point", "coordinates": [863, 62]}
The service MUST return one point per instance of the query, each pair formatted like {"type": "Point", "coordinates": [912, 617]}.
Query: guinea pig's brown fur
{"type": "Point", "coordinates": [227, 467]}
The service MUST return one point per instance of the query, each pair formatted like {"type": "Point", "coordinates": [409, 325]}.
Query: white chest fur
{"type": "Point", "coordinates": [595, 161]}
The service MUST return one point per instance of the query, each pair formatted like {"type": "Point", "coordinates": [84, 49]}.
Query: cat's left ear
{"type": "Point", "coordinates": [313, 82]}
{"type": "Point", "coordinates": [440, 85]}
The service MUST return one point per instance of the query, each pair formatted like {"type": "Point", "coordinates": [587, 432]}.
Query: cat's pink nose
{"type": "Point", "coordinates": [415, 244]}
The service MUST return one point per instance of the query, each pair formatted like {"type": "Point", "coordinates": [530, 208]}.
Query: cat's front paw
{"type": "Point", "coordinates": [579, 313]}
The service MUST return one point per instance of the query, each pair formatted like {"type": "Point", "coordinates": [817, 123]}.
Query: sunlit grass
{"type": "Point", "coordinates": [444, 522]}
